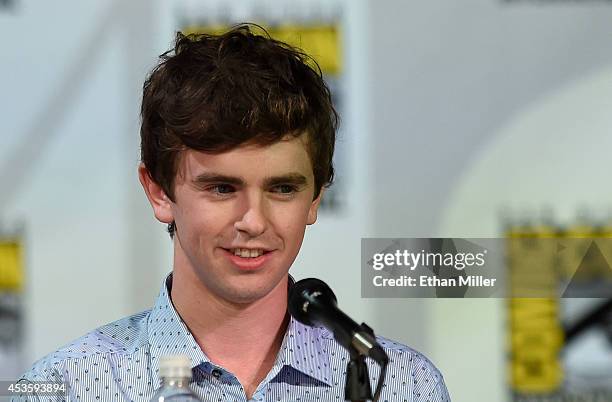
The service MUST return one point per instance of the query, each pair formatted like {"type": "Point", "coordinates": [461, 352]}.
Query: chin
{"type": "Point", "coordinates": [242, 296]}
{"type": "Point", "coordinates": [248, 291]}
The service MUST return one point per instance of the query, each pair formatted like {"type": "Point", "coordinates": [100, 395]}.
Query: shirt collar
{"type": "Point", "coordinates": [302, 348]}
{"type": "Point", "coordinates": [169, 335]}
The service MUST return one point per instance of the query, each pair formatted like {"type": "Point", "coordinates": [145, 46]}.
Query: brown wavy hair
{"type": "Point", "coordinates": [213, 93]}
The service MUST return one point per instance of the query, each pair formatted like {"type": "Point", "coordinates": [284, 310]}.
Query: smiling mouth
{"type": "Point", "coordinates": [247, 252]}
{"type": "Point", "coordinates": [250, 260]}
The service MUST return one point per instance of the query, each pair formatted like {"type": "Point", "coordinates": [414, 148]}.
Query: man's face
{"type": "Point", "coordinates": [231, 207]}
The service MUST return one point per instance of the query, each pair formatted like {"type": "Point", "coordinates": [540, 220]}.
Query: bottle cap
{"type": "Point", "coordinates": [176, 366]}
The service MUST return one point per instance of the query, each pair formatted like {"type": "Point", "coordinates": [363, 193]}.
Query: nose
{"type": "Point", "coordinates": [253, 220]}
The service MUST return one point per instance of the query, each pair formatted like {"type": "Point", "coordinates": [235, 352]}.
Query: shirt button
{"type": "Point", "coordinates": [216, 373]}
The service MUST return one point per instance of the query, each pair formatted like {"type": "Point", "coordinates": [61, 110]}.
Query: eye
{"type": "Point", "coordinates": [221, 189]}
{"type": "Point", "coordinates": [284, 189]}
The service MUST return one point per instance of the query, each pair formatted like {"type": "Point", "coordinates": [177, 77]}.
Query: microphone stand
{"type": "Point", "coordinates": [357, 388]}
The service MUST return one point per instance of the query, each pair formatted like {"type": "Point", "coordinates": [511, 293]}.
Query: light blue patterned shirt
{"type": "Point", "coordinates": [120, 362]}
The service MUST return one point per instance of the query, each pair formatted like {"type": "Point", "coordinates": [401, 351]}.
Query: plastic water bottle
{"type": "Point", "coordinates": [175, 372]}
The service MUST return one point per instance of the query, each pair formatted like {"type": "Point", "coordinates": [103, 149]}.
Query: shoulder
{"type": "Point", "coordinates": [119, 338]}
{"type": "Point", "coordinates": [409, 372]}
{"type": "Point", "coordinates": [408, 358]}
{"type": "Point", "coordinates": [412, 369]}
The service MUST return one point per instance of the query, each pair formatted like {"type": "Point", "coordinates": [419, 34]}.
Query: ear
{"type": "Point", "coordinates": [162, 205]}
{"type": "Point", "coordinates": [314, 207]}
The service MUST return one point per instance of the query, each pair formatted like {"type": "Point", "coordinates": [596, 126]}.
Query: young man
{"type": "Point", "coordinates": [238, 135]}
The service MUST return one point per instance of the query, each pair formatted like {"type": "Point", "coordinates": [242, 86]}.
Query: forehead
{"type": "Point", "coordinates": [251, 162]}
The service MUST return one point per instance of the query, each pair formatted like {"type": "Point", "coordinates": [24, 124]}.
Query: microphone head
{"type": "Point", "coordinates": [307, 298]}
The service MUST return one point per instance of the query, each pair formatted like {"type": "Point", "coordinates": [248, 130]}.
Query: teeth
{"type": "Point", "coordinates": [247, 253]}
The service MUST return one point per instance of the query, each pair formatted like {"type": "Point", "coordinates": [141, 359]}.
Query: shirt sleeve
{"type": "Point", "coordinates": [440, 393]}
{"type": "Point", "coordinates": [42, 372]}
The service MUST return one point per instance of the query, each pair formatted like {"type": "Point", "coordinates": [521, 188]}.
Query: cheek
{"type": "Point", "coordinates": [291, 220]}
{"type": "Point", "coordinates": [202, 219]}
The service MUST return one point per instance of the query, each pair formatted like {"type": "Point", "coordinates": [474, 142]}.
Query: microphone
{"type": "Point", "coordinates": [312, 302]}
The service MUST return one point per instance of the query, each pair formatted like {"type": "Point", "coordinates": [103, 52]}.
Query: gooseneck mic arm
{"type": "Point", "coordinates": [312, 302]}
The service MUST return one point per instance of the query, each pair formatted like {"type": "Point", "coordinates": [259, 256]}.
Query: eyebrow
{"type": "Point", "coordinates": [289, 178]}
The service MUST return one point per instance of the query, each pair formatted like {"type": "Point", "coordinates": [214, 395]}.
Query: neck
{"type": "Point", "coordinates": [231, 334]}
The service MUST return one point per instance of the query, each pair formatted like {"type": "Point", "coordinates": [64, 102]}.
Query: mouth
{"type": "Point", "coordinates": [247, 252]}
{"type": "Point", "coordinates": [248, 259]}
